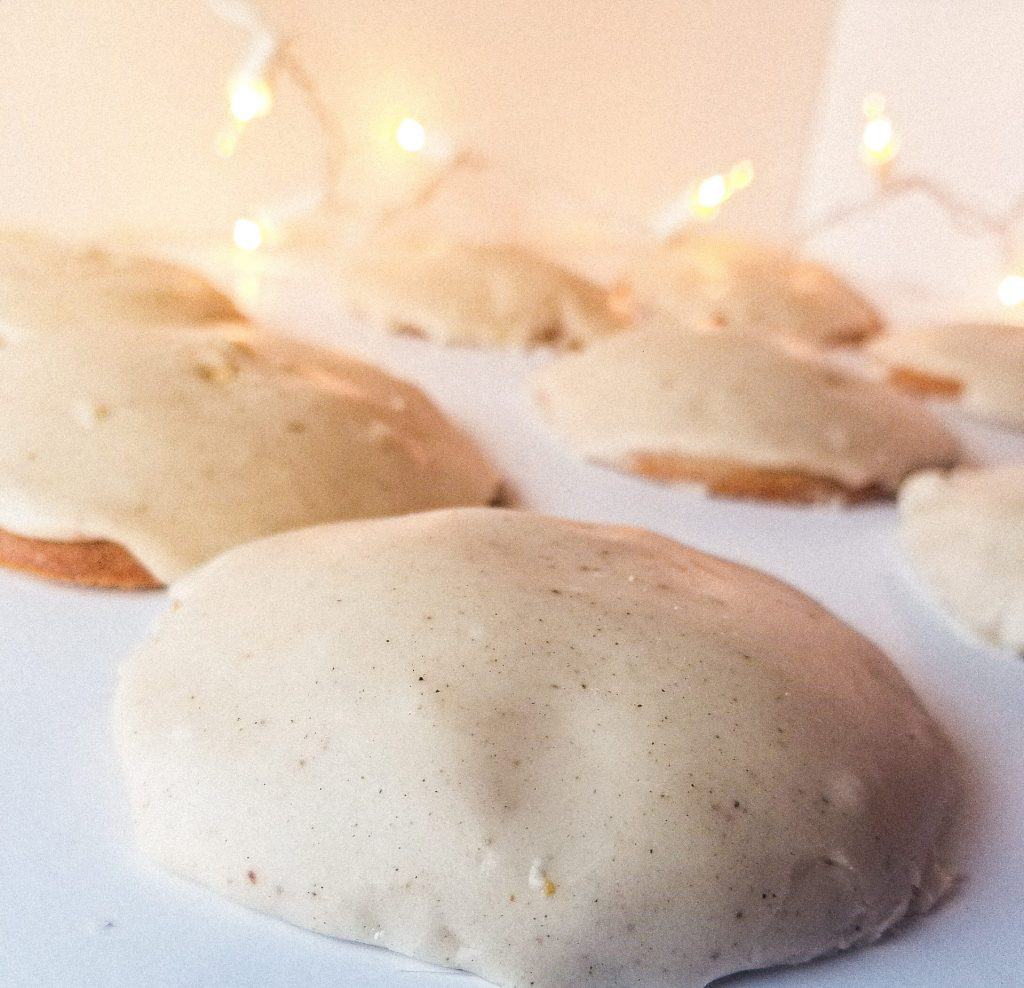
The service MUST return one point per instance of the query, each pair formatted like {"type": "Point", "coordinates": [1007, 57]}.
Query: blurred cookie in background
{"type": "Point", "coordinates": [737, 414]}
{"type": "Point", "coordinates": [979, 366]}
{"type": "Point", "coordinates": [472, 294]}
{"type": "Point", "coordinates": [732, 283]}
{"type": "Point", "coordinates": [963, 533]}
{"type": "Point", "coordinates": [147, 426]}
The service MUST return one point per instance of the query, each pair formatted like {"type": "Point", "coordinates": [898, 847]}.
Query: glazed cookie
{"type": "Point", "coordinates": [980, 366]}
{"type": "Point", "coordinates": [46, 282]}
{"type": "Point", "coordinates": [472, 294]}
{"type": "Point", "coordinates": [964, 536]}
{"type": "Point", "coordinates": [737, 414]}
{"type": "Point", "coordinates": [138, 446]}
{"type": "Point", "coordinates": [718, 281]}
{"type": "Point", "coordinates": [545, 752]}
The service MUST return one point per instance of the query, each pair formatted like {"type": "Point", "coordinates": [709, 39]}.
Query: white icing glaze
{"type": "Point", "coordinates": [987, 359]}
{"type": "Point", "coordinates": [472, 294]}
{"type": "Point", "coordinates": [964, 535]}
{"type": "Point", "coordinates": [745, 285]}
{"type": "Point", "coordinates": [736, 397]}
{"type": "Point", "coordinates": [549, 753]}
{"type": "Point", "coordinates": [177, 439]}
{"type": "Point", "coordinates": [44, 282]}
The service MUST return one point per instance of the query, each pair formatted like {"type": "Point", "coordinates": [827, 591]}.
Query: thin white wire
{"type": "Point", "coordinates": [264, 44]}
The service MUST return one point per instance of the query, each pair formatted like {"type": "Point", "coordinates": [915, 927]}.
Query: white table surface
{"type": "Point", "coordinates": [78, 906]}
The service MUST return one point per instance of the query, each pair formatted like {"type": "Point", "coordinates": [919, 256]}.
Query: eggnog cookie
{"type": "Point", "coordinates": [963, 533]}
{"type": "Point", "coordinates": [135, 448]}
{"type": "Point", "coordinates": [545, 752]}
{"type": "Point", "coordinates": [46, 282]}
{"type": "Point", "coordinates": [95, 563]}
{"type": "Point", "coordinates": [737, 414]}
{"type": "Point", "coordinates": [980, 366]}
{"type": "Point", "coordinates": [719, 281]}
{"type": "Point", "coordinates": [472, 294]}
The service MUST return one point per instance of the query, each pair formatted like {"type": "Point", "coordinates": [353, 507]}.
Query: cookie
{"type": "Point", "coordinates": [980, 366]}
{"type": "Point", "coordinates": [545, 752]}
{"type": "Point", "coordinates": [94, 563]}
{"type": "Point", "coordinates": [47, 282]}
{"type": "Point", "coordinates": [963, 534]}
{"type": "Point", "coordinates": [723, 282]}
{"type": "Point", "coordinates": [135, 448]}
{"type": "Point", "coordinates": [473, 294]}
{"type": "Point", "coordinates": [737, 414]}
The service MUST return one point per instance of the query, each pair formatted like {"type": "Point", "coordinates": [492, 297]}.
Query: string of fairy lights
{"type": "Point", "coordinates": [272, 60]}
{"type": "Point", "coordinates": [250, 96]}
{"type": "Point", "coordinates": [879, 147]}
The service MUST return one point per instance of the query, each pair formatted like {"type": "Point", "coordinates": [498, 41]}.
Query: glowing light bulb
{"type": "Point", "coordinates": [249, 287]}
{"type": "Point", "coordinates": [706, 197]}
{"type": "Point", "coordinates": [250, 98]}
{"type": "Point", "coordinates": [740, 175]}
{"type": "Point", "coordinates": [1011, 290]}
{"type": "Point", "coordinates": [410, 135]}
{"type": "Point", "coordinates": [878, 143]}
{"type": "Point", "coordinates": [247, 234]}
{"type": "Point", "coordinates": [226, 142]}
{"type": "Point", "coordinates": [711, 192]}
{"type": "Point", "coordinates": [878, 137]}
{"type": "Point", "coordinates": [873, 105]}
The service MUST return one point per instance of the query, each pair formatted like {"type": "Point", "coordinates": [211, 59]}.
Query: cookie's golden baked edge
{"type": "Point", "coordinates": [92, 563]}
{"type": "Point", "coordinates": [733, 479]}
{"type": "Point", "coordinates": [924, 384]}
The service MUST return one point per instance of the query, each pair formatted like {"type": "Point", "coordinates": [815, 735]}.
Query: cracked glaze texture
{"type": "Point", "coordinates": [546, 752]}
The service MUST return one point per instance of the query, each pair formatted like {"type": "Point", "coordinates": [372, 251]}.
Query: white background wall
{"type": "Point", "coordinates": [953, 73]}
{"type": "Point", "coordinates": [108, 109]}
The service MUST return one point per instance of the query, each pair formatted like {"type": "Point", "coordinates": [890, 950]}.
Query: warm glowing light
{"type": "Point", "coordinates": [1011, 290]}
{"type": "Point", "coordinates": [873, 105]}
{"type": "Point", "coordinates": [249, 287]}
{"type": "Point", "coordinates": [878, 137]}
{"type": "Point", "coordinates": [741, 175]}
{"type": "Point", "coordinates": [711, 192]}
{"type": "Point", "coordinates": [250, 98]}
{"type": "Point", "coordinates": [247, 234]}
{"type": "Point", "coordinates": [227, 141]}
{"type": "Point", "coordinates": [410, 135]}
{"type": "Point", "coordinates": [878, 143]}
{"type": "Point", "coordinates": [706, 197]}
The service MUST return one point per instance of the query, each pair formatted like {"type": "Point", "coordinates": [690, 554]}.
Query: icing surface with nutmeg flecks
{"type": "Point", "coordinates": [546, 752]}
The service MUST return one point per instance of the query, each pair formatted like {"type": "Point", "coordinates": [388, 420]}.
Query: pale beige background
{"type": "Point", "coordinates": [108, 109]}
{"type": "Point", "coordinates": [953, 74]}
